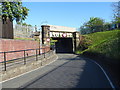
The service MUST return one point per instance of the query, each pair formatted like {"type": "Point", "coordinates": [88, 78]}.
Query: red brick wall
{"type": "Point", "coordinates": [13, 45]}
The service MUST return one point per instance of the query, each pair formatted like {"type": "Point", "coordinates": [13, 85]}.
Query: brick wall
{"type": "Point", "coordinates": [13, 45]}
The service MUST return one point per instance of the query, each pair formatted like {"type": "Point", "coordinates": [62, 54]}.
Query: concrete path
{"type": "Point", "coordinates": [69, 71]}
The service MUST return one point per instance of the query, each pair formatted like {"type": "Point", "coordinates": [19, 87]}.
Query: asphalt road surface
{"type": "Point", "coordinates": [69, 71]}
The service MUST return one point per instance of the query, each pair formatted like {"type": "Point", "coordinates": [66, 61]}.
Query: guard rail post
{"type": "Point", "coordinates": [36, 55]}
{"type": "Point", "coordinates": [24, 58]}
{"type": "Point", "coordinates": [44, 52]}
{"type": "Point", "coordinates": [5, 61]}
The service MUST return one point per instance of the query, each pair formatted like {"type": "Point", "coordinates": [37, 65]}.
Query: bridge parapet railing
{"type": "Point", "coordinates": [23, 57]}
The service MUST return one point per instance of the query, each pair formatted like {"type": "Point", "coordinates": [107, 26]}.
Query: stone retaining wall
{"type": "Point", "coordinates": [26, 68]}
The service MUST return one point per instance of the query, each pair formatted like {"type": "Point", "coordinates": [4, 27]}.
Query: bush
{"type": "Point", "coordinates": [84, 43]}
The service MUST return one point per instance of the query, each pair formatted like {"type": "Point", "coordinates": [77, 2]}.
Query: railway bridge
{"type": "Point", "coordinates": [67, 38]}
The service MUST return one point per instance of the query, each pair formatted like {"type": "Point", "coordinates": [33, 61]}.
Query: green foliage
{"type": "Point", "coordinates": [107, 26]}
{"type": "Point", "coordinates": [84, 43]}
{"type": "Point", "coordinates": [95, 24]}
{"type": "Point", "coordinates": [116, 10]}
{"type": "Point", "coordinates": [23, 38]}
{"type": "Point", "coordinates": [84, 30]}
{"type": "Point", "coordinates": [24, 24]}
{"type": "Point", "coordinates": [116, 20]}
{"type": "Point", "coordinates": [14, 10]}
{"type": "Point", "coordinates": [94, 21]}
{"type": "Point", "coordinates": [36, 38]}
{"type": "Point", "coordinates": [52, 42]}
{"type": "Point", "coordinates": [105, 43]}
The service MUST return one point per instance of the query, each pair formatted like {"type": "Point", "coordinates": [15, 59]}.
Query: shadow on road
{"type": "Point", "coordinates": [73, 72]}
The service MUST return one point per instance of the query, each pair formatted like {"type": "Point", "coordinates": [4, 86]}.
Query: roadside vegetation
{"type": "Point", "coordinates": [100, 41]}
{"type": "Point", "coordinates": [104, 44]}
{"type": "Point", "coordinates": [23, 38]}
{"type": "Point", "coordinates": [104, 48]}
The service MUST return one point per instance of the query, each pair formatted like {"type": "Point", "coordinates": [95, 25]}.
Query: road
{"type": "Point", "coordinates": [69, 71]}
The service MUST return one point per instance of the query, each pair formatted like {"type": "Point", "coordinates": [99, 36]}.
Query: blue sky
{"type": "Point", "coordinates": [71, 14]}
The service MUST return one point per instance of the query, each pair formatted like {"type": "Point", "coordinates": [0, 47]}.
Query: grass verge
{"type": "Point", "coordinates": [104, 48]}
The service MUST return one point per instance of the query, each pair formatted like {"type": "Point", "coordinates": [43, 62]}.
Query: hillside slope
{"type": "Point", "coordinates": [104, 48]}
{"type": "Point", "coordinates": [104, 44]}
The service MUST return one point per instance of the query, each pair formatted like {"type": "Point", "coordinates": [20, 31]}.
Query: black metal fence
{"type": "Point", "coordinates": [23, 60]}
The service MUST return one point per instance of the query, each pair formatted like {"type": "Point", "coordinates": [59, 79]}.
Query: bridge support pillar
{"type": "Point", "coordinates": [76, 41]}
{"type": "Point", "coordinates": [45, 34]}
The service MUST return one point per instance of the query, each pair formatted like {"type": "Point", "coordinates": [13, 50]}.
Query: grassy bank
{"type": "Point", "coordinates": [104, 48]}
{"type": "Point", "coordinates": [23, 38]}
{"type": "Point", "coordinates": [104, 44]}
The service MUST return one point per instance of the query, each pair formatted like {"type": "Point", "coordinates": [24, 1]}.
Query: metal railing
{"type": "Point", "coordinates": [5, 63]}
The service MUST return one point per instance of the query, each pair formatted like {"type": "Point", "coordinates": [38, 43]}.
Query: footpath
{"type": "Point", "coordinates": [26, 77]}
{"type": "Point", "coordinates": [68, 71]}
{"type": "Point", "coordinates": [15, 69]}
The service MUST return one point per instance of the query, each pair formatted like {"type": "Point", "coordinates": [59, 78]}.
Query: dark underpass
{"type": "Point", "coordinates": [64, 45]}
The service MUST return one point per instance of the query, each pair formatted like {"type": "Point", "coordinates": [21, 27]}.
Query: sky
{"type": "Point", "coordinates": [70, 14]}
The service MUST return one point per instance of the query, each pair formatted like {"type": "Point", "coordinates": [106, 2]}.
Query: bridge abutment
{"type": "Point", "coordinates": [67, 38]}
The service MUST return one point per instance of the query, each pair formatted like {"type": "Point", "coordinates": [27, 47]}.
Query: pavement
{"type": "Point", "coordinates": [68, 71]}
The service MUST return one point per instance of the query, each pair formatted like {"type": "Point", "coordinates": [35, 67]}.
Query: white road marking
{"type": "Point", "coordinates": [105, 74]}
{"type": "Point", "coordinates": [28, 71]}
{"type": "Point", "coordinates": [54, 61]}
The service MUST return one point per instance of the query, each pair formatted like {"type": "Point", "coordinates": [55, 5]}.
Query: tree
{"type": "Point", "coordinates": [107, 26]}
{"type": "Point", "coordinates": [12, 11]}
{"type": "Point", "coordinates": [117, 14]}
{"type": "Point", "coordinates": [84, 30]}
{"type": "Point", "coordinates": [95, 24]}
